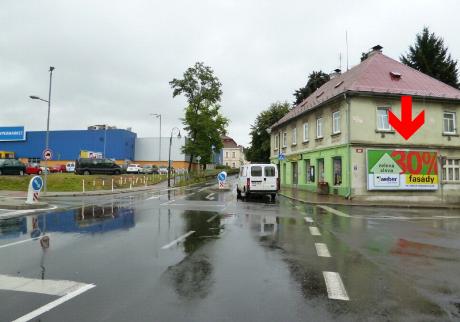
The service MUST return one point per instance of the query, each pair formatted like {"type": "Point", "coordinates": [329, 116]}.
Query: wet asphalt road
{"type": "Point", "coordinates": [197, 254]}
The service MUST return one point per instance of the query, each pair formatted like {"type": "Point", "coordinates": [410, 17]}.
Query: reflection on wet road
{"type": "Point", "coordinates": [197, 254]}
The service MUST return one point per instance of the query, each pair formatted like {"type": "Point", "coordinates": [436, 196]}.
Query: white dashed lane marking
{"type": "Point", "coordinates": [322, 250]}
{"type": "Point", "coordinates": [314, 231]}
{"type": "Point", "coordinates": [178, 240]}
{"type": "Point", "coordinates": [335, 211]}
{"type": "Point", "coordinates": [335, 288]}
{"type": "Point", "coordinates": [212, 218]}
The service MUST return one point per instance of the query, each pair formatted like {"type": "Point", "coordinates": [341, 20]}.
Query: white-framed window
{"type": "Point", "coordinates": [451, 170]}
{"type": "Point", "coordinates": [294, 136]}
{"type": "Point", "coordinates": [233, 155]}
{"type": "Point", "coordinates": [449, 126]}
{"type": "Point", "coordinates": [305, 132]}
{"type": "Point", "coordinates": [336, 122]}
{"type": "Point", "coordinates": [319, 127]}
{"type": "Point", "coordinates": [233, 164]}
{"type": "Point", "coordinates": [277, 138]}
{"type": "Point", "coordinates": [284, 139]}
{"type": "Point", "coordinates": [226, 154]}
{"type": "Point", "coordinates": [382, 120]}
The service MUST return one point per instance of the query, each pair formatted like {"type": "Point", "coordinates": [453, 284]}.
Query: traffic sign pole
{"type": "Point", "coordinates": [47, 155]}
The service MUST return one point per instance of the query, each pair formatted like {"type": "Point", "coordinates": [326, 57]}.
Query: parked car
{"type": "Point", "coordinates": [133, 168]}
{"type": "Point", "coordinates": [34, 168]}
{"type": "Point", "coordinates": [70, 167]}
{"type": "Point", "coordinates": [258, 179]}
{"type": "Point", "coordinates": [12, 166]}
{"type": "Point", "coordinates": [58, 168]}
{"type": "Point", "coordinates": [150, 169]}
{"type": "Point", "coordinates": [96, 166]}
{"type": "Point", "coordinates": [163, 170]}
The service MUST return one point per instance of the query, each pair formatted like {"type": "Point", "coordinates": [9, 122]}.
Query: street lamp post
{"type": "Point", "coordinates": [159, 148]}
{"type": "Point", "coordinates": [47, 140]}
{"type": "Point", "coordinates": [169, 157]}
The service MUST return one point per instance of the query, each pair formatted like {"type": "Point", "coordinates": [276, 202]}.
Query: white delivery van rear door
{"type": "Point", "coordinates": [270, 178]}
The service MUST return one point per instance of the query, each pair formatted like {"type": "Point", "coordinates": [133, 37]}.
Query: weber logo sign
{"type": "Point", "coordinates": [386, 180]}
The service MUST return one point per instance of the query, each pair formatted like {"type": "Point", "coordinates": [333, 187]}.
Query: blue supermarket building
{"type": "Point", "coordinates": [66, 145]}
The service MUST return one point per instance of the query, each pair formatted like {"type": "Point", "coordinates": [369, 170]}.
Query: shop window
{"type": "Point", "coordinates": [449, 123]}
{"type": "Point", "coordinates": [310, 171]}
{"type": "Point", "coordinates": [337, 166]}
{"type": "Point", "coordinates": [451, 170]}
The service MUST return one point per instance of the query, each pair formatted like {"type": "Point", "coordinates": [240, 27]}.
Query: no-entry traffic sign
{"type": "Point", "coordinates": [47, 154]}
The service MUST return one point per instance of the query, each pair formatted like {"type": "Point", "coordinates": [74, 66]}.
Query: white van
{"type": "Point", "coordinates": [258, 179]}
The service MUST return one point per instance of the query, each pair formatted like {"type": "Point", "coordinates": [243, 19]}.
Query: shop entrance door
{"type": "Point", "coordinates": [295, 173]}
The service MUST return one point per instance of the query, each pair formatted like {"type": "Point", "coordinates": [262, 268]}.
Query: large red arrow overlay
{"type": "Point", "coordinates": [406, 126]}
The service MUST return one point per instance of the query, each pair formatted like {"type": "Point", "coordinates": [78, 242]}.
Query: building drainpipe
{"type": "Point", "coordinates": [350, 166]}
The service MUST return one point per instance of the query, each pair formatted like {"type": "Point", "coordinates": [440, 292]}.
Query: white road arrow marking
{"type": "Point", "coordinates": [210, 196]}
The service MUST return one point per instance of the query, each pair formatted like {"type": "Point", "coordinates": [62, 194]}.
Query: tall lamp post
{"type": "Point", "coordinates": [47, 141]}
{"type": "Point", "coordinates": [169, 157]}
{"type": "Point", "coordinates": [159, 148]}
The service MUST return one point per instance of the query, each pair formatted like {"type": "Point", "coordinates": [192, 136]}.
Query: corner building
{"type": "Point", "coordinates": [339, 140]}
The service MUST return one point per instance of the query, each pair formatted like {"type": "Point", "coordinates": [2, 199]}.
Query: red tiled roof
{"type": "Point", "coordinates": [374, 75]}
{"type": "Point", "coordinates": [228, 142]}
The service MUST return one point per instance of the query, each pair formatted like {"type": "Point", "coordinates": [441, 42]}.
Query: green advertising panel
{"type": "Point", "coordinates": [402, 170]}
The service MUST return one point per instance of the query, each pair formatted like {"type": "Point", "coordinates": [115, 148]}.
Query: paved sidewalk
{"type": "Point", "coordinates": [314, 198]}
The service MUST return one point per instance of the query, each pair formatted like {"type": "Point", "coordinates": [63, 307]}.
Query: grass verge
{"type": "Point", "coordinates": [70, 182]}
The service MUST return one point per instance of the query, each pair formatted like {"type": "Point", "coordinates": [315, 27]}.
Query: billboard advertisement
{"type": "Point", "coordinates": [12, 133]}
{"type": "Point", "coordinates": [402, 170]}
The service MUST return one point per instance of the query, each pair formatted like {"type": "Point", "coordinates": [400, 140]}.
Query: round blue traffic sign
{"type": "Point", "coordinates": [37, 183]}
{"type": "Point", "coordinates": [222, 176]}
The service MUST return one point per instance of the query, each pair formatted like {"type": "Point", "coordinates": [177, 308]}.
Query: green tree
{"type": "Point", "coordinates": [203, 121]}
{"type": "Point", "coordinates": [259, 150]}
{"type": "Point", "coordinates": [429, 55]}
{"type": "Point", "coordinates": [315, 81]}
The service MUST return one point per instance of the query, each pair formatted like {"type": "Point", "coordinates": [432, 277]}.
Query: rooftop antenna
{"type": "Point", "coordinates": [346, 41]}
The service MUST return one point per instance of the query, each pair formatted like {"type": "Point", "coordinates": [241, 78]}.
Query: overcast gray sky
{"type": "Point", "coordinates": [114, 59]}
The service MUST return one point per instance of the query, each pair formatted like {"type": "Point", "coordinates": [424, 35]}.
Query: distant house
{"type": "Point", "coordinates": [339, 140]}
{"type": "Point", "coordinates": [232, 154]}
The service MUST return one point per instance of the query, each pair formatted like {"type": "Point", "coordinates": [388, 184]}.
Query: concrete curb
{"type": "Point", "coordinates": [384, 205]}
{"type": "Point", "coordinates": [23, 206]}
